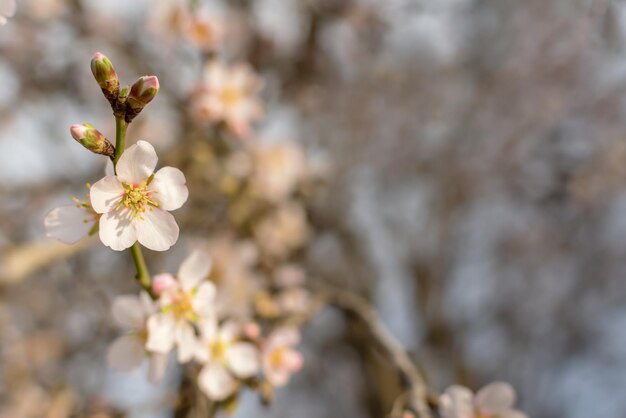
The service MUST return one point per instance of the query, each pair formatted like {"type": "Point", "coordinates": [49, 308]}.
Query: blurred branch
{"type": "Point", "coordinates": [22, 261]}
{"type": "Point", "coordinates": [351, 303]}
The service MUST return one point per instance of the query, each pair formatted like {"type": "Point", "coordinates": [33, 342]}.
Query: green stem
{"type": "Point", "coordinates": [120, 139]}
{"type": "Point", "coordinates": [143, 276]}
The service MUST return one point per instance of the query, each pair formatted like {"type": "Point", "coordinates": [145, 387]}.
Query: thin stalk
{"type": "Point", "coordinates": [120, 139]}
{"type": "Point", "coordinates": [143, 276]}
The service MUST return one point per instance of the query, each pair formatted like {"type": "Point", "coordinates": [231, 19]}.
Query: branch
{"type": "Point", "coordinates": [417, 392]}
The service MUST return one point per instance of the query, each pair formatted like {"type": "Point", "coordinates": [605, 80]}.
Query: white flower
{"type": "Point", "coordinates": [495, 400]}
{"type": "Point", "coordinates": [7, 10]}
{"type": "Point", "coordinates": [279, 358]}
{"type": "Point", "coordinates": [134, 203]}
{"type": "Point", "coordinates": [228, 94]}
{"type": "Point", "coordinates": [226, 360]}
{"type": "Point", "coordinates": [283, 231]}
{"type": "Point", "coordinates": [184, 302]}
{"type": "Point", "coordinates": [278, 168]}
{"type": "Point", "coordinates": [127, 352]}
{"type": "Point", "coordinates": [70, 223]}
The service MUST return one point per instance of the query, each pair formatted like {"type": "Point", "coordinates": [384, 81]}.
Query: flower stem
{"type": "Point", "coordinates": [120, 139]}
{"type": "Point", "coordinates": [143, 276]}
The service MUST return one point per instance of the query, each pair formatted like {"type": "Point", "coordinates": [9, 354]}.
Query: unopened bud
{"type": "Point", "coordinates": [162, 282]}
{"type": "Point", "coordinates": [105, 75]}
{"type": "Point", "coordinates": [90, 138]}
{"type": "Point", "coordinates": [141, 93]}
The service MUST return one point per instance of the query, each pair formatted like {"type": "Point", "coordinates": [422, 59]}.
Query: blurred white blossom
{"type": "Point", "coordinates": [495, 400]}
{"type": "Point", "coordinates": [226, 359]}
{"type": "Point", "coordinates": [185, 301]}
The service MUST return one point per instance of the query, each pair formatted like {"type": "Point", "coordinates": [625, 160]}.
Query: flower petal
{"type": "Point", "coordinates": [109, 170]}
{"type": "Point", "coordinates": [137, 163]}
{"type": "Point", "coordinates": [128, 312]}
{"type": "Point", "coordinates": [208, 328]}
{"type": "Point", "coordinates": [186, 341]}
{"type": "Point", "coordinates": [194, 269]}
{"type": "Point", "coordinates": [158, 364]}
{"type": "Point", "coordinates": [7, 8]}
{"type": "Point", "coordinates": [169, 185]}
{"type": "Point", "coordinates": [126, 353]}
{"type": "Point", "coordinates": [106, 194]}
{"type": "Point", "coordinates": [243, 360]}
{"type": "Point", "coordinates": [216, 383]}
{"type": "Point", "coordinates": [230, 331]}
{"type": "Point", "coordinates": [157, 229]}
{"type": "Point", "coordinates": [456, 402]}
{"type": "Point", "coordinates": [117, 230]}
{"type": "Point", "coordinates": [68, 223]}
{"type": "Point", "coordinates": [203, 301]}
{"type": "Point", "coordinates": [495, 398]}
{"type": "Point", "coordinates": [161, 337]}
{"type": "Point", "coordinates": [289, 336]}
{"type": "Point", "coordinates": [147, 304]}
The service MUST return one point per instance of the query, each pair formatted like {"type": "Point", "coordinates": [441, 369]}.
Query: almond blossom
{"type": "Point", "coordinates": [226, 360]}
{"type": "Point", "coordinates": [279, 358]}
{"type": "Point", "coordinates": [283, 231]}
{"type": "Point", "coordinates": [228, 94]}
{"type": "Point", "coordinates": [206, 32]}
{"type": "Point", "coordinates": [495, 400]}
{"type": "Point", "coordinates": [70, 223]}
{"type": "Point", "coordinates": [127, 352]}
{"type": "Point", "coordinates": [7, 10]}
{"type": "Point", "coordinates": [135, 202]}
{"type": "Point", "coordinates": [184, 301]}
{"type": "Point", "coordinates": [278, 168]}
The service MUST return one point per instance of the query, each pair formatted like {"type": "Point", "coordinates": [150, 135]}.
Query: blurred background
{"type": "Point", "coordinates": [473, 188]}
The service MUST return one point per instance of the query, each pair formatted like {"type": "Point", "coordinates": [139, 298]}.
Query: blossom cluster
{"type": "Point", "coordinates": [184, 318]}
{"type": "Point", "coordinates": [233, 307]}
{"type": "Point", "coordinates": [495, 400]}
{"type": "Point", "coordinates": [223, 309]}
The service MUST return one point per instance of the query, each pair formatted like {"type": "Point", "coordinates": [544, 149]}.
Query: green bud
{"type": "Point", "coordinates": [105, 75]}
{"type": "Point", "coordinates": [142, 92]}
{"type": "Point", "coordinates": [90, 138]}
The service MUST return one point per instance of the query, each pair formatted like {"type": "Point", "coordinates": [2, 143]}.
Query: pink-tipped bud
{"type": "Point", "coordinates": [105, 75]}
{"type": "Point", "coordinates": [252, 330]}
{"type": "Point", "coordinates": [142, 92]}
{"type": "Point", "coordinates": [90, 138]}
{"type": "Point", "coordinates": [162, 282]}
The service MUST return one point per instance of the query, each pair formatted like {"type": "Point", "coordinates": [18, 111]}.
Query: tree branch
{"type": "Point", "coordinates": [417, 392]}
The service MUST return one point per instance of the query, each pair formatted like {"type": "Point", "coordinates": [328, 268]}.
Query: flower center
{"type": "Point", "coordinates": [230, 96]}
{"type": "Point", "coordinates": [137, 198]}
{"type": "Point", "coordinates": [182, 308]}
{"type": "Point", "coordinates": [277, 356]}
{"type": "Point", "coordinates": [218, 350]}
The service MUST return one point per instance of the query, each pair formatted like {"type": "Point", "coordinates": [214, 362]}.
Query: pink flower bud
{"type": "Point", "coordinates": [162, 282]}
{"type": "Point", "coordinates": [105, 75]}
{"type": "Point", "coordinates": [90, 138]}
{"type": "Point", "coordinates": [143, 91]}
{"type": "Point", "coordinates": [252, 330]}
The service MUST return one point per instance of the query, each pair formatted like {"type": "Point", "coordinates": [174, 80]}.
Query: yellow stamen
{"type": "Point", "coordinates": [218, 350]}
{"type": "Point", "coordinates": [230, 96]}
{"type": "Point", "coordinates": [182, 308]}
{"type": "Point", "coordinates": [138, 198]}
{"type": "Point", "coordinates": [277, 356]}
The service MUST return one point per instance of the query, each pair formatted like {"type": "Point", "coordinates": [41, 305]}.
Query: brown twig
{"type": "Point", "coordinates": [417, 392]}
